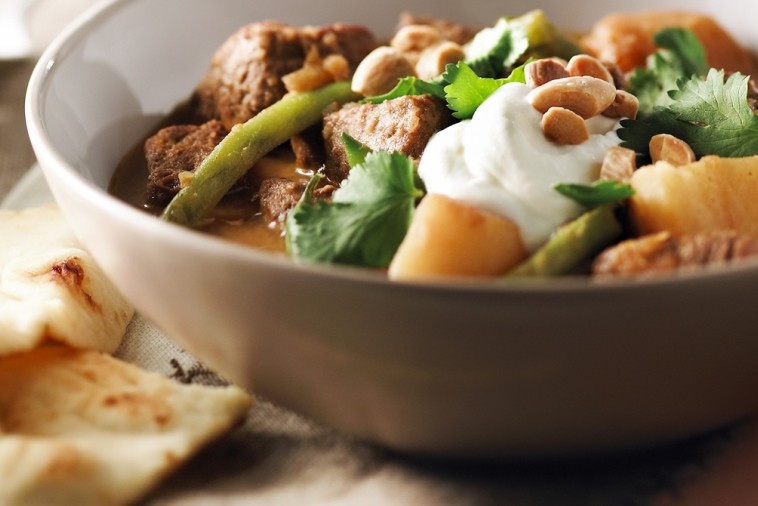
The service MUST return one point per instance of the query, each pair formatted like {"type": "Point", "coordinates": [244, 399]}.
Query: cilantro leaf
{"type": "Point", "coordinates": [596, 194]}
{"type": "Point", "coordinates": [410, 86]}
{"type": "Point", "coordinates": [467, 90]}
{"type": "Point", "coordinates": [681, 56]}
{"type": "Point", "coordinates": [636, 134]}
{"type": "Point", "coordinates": [711, 115]}
{"type": "Point", "coordinates": [356, 152]}
{"type": "Point", "coordinates": [495, 50]}
{"type": "Point", "coordinates": [686, 48]}
{"type": "Point", "coordinates": [716, 117]}
{"type": "Point", "coordinates": [491, 53]}
{"type": "Point", "coordinates": [367, 218]}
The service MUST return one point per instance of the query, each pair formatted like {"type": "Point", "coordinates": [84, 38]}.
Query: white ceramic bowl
{"type": "Point", "coordinates": [543, 368]}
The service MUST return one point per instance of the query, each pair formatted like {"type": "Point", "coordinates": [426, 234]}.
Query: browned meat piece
{"type": "Point", "coordinates": [403, 124]}
{"type": "Point", "coordinates": [177, 149]}
{"type": "Point", "coordinates": [279, 195]}
{"type": "Point", "coordinates": [456, 32]}
{"type": "Point", "coordinates": [353, 42]}
{"type": "Point", "coordinates": [309, 149]}
{"type": "Point", "coordinates": [662, 253]}
{"type": "Point", "coordinates": [246, 72]}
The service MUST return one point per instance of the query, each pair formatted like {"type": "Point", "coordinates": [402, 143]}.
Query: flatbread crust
{"type": "Point", "coordinates": [80, 427]}
{"type": "Point", "coordinates": [51, 289]}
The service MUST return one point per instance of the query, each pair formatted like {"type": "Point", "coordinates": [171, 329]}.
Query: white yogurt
{"type": "Point", "coordinates": [501, 161]}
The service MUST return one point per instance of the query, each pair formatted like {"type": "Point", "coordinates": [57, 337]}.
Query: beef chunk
{"type": "Point", "coordinates": [451, 30]}
{"type": "Point", "coordinates": [279, 195]}
{"type": "Point", "coordinates": [661, 253]}
{"type": "Point", "coordinates": [403, 124]}
{"type": "Point", "coordinates": [308, 148]}
{"type": "Point", "coordinates": [353, 42]}
{"type": "Point", "coordinates": [177, 149]}
{"type": "Point", "coordinates": [246, 72]}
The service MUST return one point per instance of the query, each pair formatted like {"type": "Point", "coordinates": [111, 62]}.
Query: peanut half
{"type": "Point", "coordinates": [586, 65]}
{"type": "Point", "coordinates": [585, 95]}
{"type": "Point", "coordinates": [671, 149]}
{"type": "Point", "coordinates": [625, 105]}
{"type": "Point", "coordinates": [618, 164]}
{"type": "Point", "coordinates": [379, 71]}
{"type": "Point", "coordinates": [433, 60]}
{"type": "Point", "coordinates": [415, 38]}
{"type": "Point", "coordinates": [563, 126]}
{"type": "Point", "coordinates": [545, 70]}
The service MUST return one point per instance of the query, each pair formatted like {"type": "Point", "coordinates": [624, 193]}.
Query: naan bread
{"type": "Point", "coordinates": [51, 289]}
{"type": "Point", "coordinates": [80, 427]}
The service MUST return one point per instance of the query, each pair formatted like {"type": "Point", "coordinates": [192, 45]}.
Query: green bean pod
{"type": "Point", "coordinates": [572, 244]}
{"type": "Point", "coordinates": [246, 144]}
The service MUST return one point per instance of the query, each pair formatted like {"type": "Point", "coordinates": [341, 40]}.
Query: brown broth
{"type": "Point", "coordinates": [235, 219]}
{"type": "Point", "coordinates": [249, 228]}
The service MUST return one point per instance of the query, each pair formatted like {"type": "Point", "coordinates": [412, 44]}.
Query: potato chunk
{"type": "Point", "coordinates": [627, 39]}
{"type": "Point", "coordinates": [711, 194]}
{"type": "Point", "coordinates": [449, 238]}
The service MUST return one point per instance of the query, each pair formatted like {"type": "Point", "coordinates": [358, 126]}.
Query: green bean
{"type": "Point", "coordinates": [245, 145]}
{"type": "Point", "coordinates": [572, 244]}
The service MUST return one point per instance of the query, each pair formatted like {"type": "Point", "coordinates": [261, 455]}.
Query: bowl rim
{"type": "Point", "coordinates": [50, 159]}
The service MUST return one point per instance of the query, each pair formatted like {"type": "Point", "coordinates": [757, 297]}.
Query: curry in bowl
{"type": "Point", "coordinates": [435, 368]}
{"type": "Point", "coordinates": [457, 151]}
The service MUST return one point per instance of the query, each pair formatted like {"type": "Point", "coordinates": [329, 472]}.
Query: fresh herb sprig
{"type": "Point", "coordinates": [712, 115]}
{"type": "Point", "coordinates": [460, 86]}
{"type": "Point", "coordinates": [467, 90]}
{"type": "Point", "coordinates": [368, 216]}
{"type": "Point", "coordinates": [494, 52]}
{"type": "Point", "coordinates": [595, 194]}
{"type": "Point", "coordinates": [409, 86]}
{"type": "Point", "coordinates": [681, 56]}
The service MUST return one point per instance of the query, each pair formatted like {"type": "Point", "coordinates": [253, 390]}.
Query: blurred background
{"type": "Point", "coordinates": [26, 28]}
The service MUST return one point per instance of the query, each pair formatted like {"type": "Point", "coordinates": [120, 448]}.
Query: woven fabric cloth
{"type": "Point", "coordinates": [280, 458]}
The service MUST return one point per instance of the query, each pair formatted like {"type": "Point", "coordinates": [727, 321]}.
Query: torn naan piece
{"type": "Point", "coordinates": [83, 428]}
{"type": "Point", "coordinates": [51, 289]}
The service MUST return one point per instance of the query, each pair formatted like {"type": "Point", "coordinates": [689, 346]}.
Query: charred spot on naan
{"type": "Point", "coordinates": [71, 272]}
{"type": "Point", "coordinates": [51, 290]}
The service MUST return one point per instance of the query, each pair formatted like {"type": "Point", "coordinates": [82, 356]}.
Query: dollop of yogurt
{"type": "Point", "coordinates": [501, 161]}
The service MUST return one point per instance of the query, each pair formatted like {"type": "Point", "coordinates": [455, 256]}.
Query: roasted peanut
{"type": "Point", "coordinates": [563, 126]}
{"type": "Point", "coordinates": [587, 96]}
{"type": "Point", "coordinates": [618, 164]}
{"type": "Point", "coordinates": [433, 60]}
{"type": "Point", "coordinates": [542, 71]}
{"type": "Point", "coordinates": [412, 39]}
{"type": "Point", "coordinates": [625, 105]}
{"type": "Point", "coordinates": [585, 65]}
{"type": "Point", "coordinates": [379, 71]}
{"type": "Point", "coordinates": [670, 149]}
